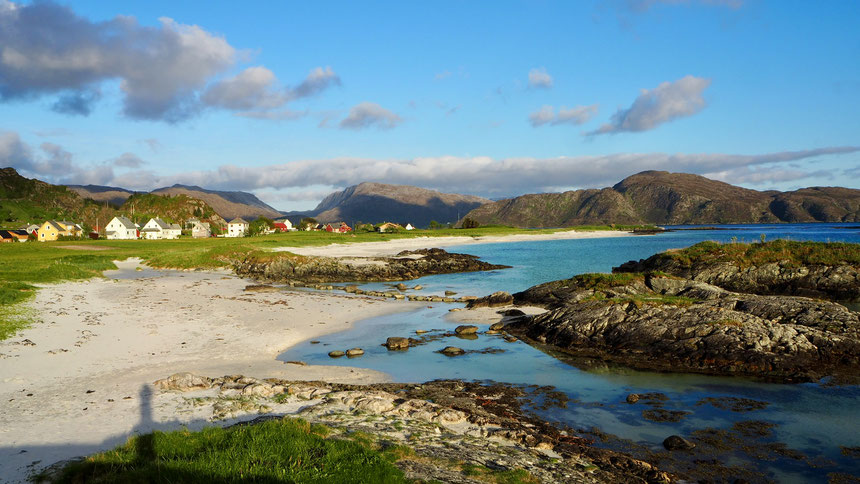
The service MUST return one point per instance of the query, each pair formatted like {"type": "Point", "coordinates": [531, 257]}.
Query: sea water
{"type": "Point", "coordinates": [814, 419]}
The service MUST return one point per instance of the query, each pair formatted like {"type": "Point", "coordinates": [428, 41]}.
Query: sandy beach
{"type": "Point", "coordinates": [392, 247]}
{"type": "Point", "coordinates": [79, 381]}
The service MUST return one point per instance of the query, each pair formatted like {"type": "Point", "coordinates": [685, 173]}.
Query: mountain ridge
{"type": "Point", "coordinates": [660, 197]}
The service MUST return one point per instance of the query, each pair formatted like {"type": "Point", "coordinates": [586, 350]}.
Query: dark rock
{"type": "Point", "coordinates": [497, 326]}
{"type": "Point", "coordinates": [496, 299]}
{"type": "Point", "coordinates": [466, 329]}
{"type": "Point", "coordinates": [401, 287]}
{"type": "Point", "coordinates": [512, 312]}
{"type": "Point", "coordinates": [633, 398]}
{"type": "Point", "coordinates": [311, 270]}
{"type": "Point", "coordinates": [663, 415]}
{"type": "Point", "coordinates": [452, 351]}
{"type": "Point", "coordinates": [397, 343]}
{"type": "Point", "coordinates": [676, 442]}
{"type": "Point", "coordinates": [694, 327]}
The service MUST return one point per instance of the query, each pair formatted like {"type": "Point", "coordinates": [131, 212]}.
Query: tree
{"type": "Point", "coordinates": [260, 225]}
{"type": "Point", "coordinates": [434, 225]}
{"type": "Point", "coordinates": [308, 223]}
{"type": "Point", "coordinates": [470, 223]}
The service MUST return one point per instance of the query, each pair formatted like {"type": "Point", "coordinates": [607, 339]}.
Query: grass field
{"type": "Point", "coordinates": [24, 264]}
{"type": "Point", "coordinates": [285, 450]}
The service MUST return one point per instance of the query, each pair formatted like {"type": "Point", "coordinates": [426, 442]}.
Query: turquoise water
{"type": "Point", "coordinates": [810, 418]}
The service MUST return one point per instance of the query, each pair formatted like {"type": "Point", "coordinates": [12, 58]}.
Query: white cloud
{"type": "Point", "coordinates": [367, 115]}
{"type": "Point", "coordinates": [46, 49]}
{"type": "Point", "coordinates": [473, 175]}
{"type": "Point", "coordinates": [539, 78]}
{"type": "Point", "coordinates": [666, 102]}
{"type": "Point", "coordinates": [575, 116]}
{"type": "Point", "coordinates": [128, 160]}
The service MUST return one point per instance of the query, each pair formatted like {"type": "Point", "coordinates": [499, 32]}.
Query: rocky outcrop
{"type": "Point", "coordinates": [403, 266]}
{"type": "Point", "coordinates": [779, 267]}
{"type": "Point", "coordinates": [494, 300]}
{"type": "Point", "coordinates": [672, 324]}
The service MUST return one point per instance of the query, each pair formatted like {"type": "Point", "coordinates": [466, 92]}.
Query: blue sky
{"type": "Point", "coordinates": [291, 101]}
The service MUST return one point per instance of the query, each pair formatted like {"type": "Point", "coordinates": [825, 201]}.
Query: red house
{"type": "Point", "coordinates": [341, 229]}
{"type": "Point", "coordinates": [281, 227]}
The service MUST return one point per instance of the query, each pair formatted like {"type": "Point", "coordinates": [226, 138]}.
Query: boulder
{"type": "Point", "coordinates": [352, 352]}
{"type": "Point", "coordinates": [676, 442]}
{"type": "Point", "coordinates": [336, 353]}
{"type": "Point", "coordinates": [397, 343]}
{"type": "Point", "coordinates": [496, 299]}
{"type": "Point", "coordinates": [184, 382]}
{"type": "Point", "coordinates": [633, 398]}
{"type": "Point", "coordinates": [466, 329]}
{"type": "Point", "coordinates": [512, 313]}
{"type": "Point", "coordinates": [452, 351]}
{"type": "Point", "coordinates": [401, 287]}
{"type": "Point", "coordinates": [497, 326]}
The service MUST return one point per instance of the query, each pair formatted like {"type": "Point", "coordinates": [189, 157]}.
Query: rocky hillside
{"type": "Point", "coordinates": [172, 208]}
{"type": "Point", "coordinates": [378, 202]}
{"type": "Point", "coordinates": [659, 197]}
{"type": "Point", "coordinates": [24, 200]}
{"type": "Point", "coordinates": [227, 204]}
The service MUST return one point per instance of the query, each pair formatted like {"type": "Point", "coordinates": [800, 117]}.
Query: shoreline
{"type": "Point", "coordinates": [79, 381]}
{"type": "Point", "coordinates": [393, 247]}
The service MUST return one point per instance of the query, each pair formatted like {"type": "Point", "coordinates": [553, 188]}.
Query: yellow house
{"type": "Point", "coordinates": [52, 230]}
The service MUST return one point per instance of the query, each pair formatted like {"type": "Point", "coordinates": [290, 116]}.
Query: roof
{"type": "Point", "coordinates": [238, 220]}
{"type": "Point", "coordinates": [174, 227]}
{"type": "Point", "coordinates": [161, 223]}
{"type": "Point", "coordinates": [125, 222]}
{"type": "Point", "coordinates": [280, 225]}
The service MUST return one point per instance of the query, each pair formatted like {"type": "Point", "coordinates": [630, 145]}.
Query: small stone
{"type": "Point", "coordinates": [454, 310]}
{"type": "Point", "coordinates": [296, 362]}
{"type": "Point", "coordinates": [418, 287]}
{"type": "Point", "coordinates": [401, 287]}
{"type": "Point", "coordinates": [352, 352]}
{"type": "Point", "coordinates": [450, 293]}
{"type": "Point", "coordinates": [633, 398]}
{"type": "Point", "coordinates": [511, 312]}
{"type": "Point", "coordinates": [315, 342]}
{"type": "Point", "coordinates": [421, 331]}
{"type": "Point", "coordinates": [452, 351]}
{"type": "Point", "coordinates": [510, 339]}
{"type": "Point", "coordinates": [336, 353]}
{"type": "Point", "coordinates": [676, 442]}
{"type": "Point", "coordinates": [497, 326]}
{"type": "Point", "coordinates": [466, 329]}
{"type": "Point", "coordinates": [397, 343]}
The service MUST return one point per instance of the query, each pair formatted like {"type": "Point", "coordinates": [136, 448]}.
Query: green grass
{"type": "Point", "coordinates": [786, 252]}
{"type": "Point", "coordinates": [286, 450]}
{"type": "Point", "coordinates": [510, 476]}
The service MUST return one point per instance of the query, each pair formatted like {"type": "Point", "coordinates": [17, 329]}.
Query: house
{"type": "Point", "coordinates": [388, 227]}
{"type": "Point", "coordinates": [31, 228]}
{"type": "Point", "coordinates": [13, 235]}
{"type": "Point", "coordinates": [159, 229]}
{"type": "Point", "coordinates": [340, 228]}
{"type": "Point", "coordinates": [121, 228]}
{"type": "Point", "coordinates": [237, 227]}
{"type": "Point", "coordinates": [283, 225]}
{"type": "Point", "coordinates": [199, 230]}
{"type": "Point", "coordinates": [52, 230]}
{"type": "Point", "coordinates": [409, 227]}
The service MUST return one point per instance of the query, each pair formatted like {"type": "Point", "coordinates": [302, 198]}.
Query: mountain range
{"type": "Point", "coordinates": [227, 204]}
{"type": "Point", "coordinates": [650, 197]}
{"type": "Point", "coordinates": [659, 197]}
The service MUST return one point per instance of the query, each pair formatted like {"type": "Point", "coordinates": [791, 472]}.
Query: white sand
{"type": "Point", "coordinates": [85, 384]}
{"type": "Point", "coordinates": [392, 247]}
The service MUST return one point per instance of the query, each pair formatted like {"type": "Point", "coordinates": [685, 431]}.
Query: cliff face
{"type": "Point", "coordinates": [659, 197]}
{"type": "Point", "coordinates": [227, 204]}
{"type": "Point", "coordinates": [378, 202]}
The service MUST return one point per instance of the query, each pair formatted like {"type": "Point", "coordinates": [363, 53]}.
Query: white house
{"type": "Point", "coordinates": [159, 229]}
{"type": "Point", "coordinates": [409, 227]}
{"type": "Point", "coordinates": [199, 229]}
{"type": "Point", "coordinates": [121, 228]}
{"type": "Point", "coordinates": [237, 228]}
